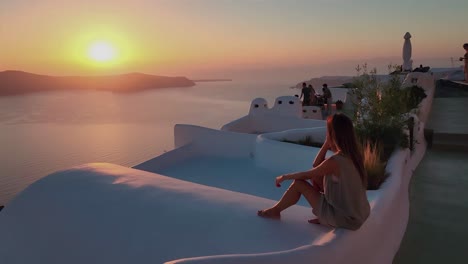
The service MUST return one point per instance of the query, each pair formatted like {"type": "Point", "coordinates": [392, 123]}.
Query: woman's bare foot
{"type": "Point", "coordinates": [314, 221]}
{"type": "Point", "coordinates": [269, 213]}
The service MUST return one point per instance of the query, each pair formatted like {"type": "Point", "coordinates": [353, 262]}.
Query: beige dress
{"type": "Point", "coordinates": [344, 202]}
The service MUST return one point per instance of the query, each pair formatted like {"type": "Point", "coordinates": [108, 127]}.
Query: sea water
{"type": "Point", "coordinates": [50, 131]}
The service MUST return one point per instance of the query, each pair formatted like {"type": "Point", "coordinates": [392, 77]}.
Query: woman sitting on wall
{"type": "Point", "coordinates": [338, 193]}
{"type": "Point", "coordinates": [327, 97]}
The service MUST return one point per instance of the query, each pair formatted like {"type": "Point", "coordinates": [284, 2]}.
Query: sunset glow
{"type": "Point", "coordinates": [206, 37]}
{"type": "Point", "coordinates": [102, 52]}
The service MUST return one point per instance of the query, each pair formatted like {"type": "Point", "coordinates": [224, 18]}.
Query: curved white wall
{"type": "Point", "coordinates": [285, 114]}
{"type": "Point", "coordinates": [214, 142]}
{"type": "Point", "coordinates": [272, 153]}
{"type": "Point", "coordinates": [312, 112]}
{"type": "Point", "coordinates": [191, 141]}
{"type": "Point", "coordinates": [287, 106]}
{"type": "Point", "coordinates": [105, 213]}
{"type": "Point", "coordinates": [111, 214]}
{"type": "Point", "coordinates": [317, 134]}
{"type": "Point", "coordinates": [266, 123]}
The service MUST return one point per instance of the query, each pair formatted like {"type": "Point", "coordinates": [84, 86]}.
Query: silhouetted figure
{"type": "Point", "coordinates": [306, 94]}
{"type": "Point", "coordinates": [465, 58]}
{"type": "Point", "coordinates": [327, 97]}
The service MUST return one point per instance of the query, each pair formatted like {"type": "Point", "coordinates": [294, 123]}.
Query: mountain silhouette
{"type": "Point", "coordinates": [19, 82]}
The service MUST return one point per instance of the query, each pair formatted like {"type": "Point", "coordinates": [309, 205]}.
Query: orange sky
{"type": "Point", "coordinates": [202, 36]}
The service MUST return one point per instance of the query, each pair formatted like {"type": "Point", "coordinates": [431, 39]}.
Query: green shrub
{"type": "Point", "coordinates": [413, 97]}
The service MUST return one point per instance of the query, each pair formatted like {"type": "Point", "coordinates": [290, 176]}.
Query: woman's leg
{"type": "Point", "coordinates": [291, 197]}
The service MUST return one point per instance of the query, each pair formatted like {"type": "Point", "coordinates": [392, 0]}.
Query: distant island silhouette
{"type": "Point", "coordinates": [19, 82]}
{"type": "Point", "coordinates": [212, 80]}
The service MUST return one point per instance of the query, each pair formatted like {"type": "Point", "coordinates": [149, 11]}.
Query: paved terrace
{"type": "Point", "coordinates": [437, 229]}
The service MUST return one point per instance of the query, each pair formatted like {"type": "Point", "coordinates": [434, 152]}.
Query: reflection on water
{"type": "Point", "coordinates": [43, 133]}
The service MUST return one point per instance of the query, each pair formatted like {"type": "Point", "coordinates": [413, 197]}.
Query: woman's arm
{"type": "Point", "coordinates": [323, 152]}
{"type": "Point", "coordinates": [321, 155]}
{"type": "Point", "coordinates": [328, 167]}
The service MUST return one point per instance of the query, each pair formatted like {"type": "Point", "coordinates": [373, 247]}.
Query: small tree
{"type": "Point", "coordinates": [380, 110]}
{"type": "Point", "coordinates": [413, 97]}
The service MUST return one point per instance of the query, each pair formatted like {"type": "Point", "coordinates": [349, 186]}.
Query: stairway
{"type": "Point", "coordinates": [450, 141]}
{"type": "Point", "coordinates": [449, 123]}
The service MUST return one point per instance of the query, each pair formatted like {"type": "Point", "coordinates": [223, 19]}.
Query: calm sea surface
{"type": "Point", "coordinates": [45, 132]}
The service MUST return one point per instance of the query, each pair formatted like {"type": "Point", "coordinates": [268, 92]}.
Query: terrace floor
{"type": "Point", "coordinates": [112, 214]}
{"type": "Point", "coordinates": [437, 230]}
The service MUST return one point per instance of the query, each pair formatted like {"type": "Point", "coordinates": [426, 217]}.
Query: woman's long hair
{"type": "Point", "coordinates": [342, 133]}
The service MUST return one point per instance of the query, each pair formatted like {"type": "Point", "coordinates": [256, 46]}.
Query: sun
{"type": "Point", "coordinates": [101, 52]}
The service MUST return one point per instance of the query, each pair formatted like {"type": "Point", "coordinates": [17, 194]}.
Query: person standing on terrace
{"type": "Point", "coordinates": [327, 97]}
{"type": "Point", "coordinates": [338, 193]}
{"type": "Point", "coordinates": [306, 93]}
{"type": "Point", "coordinates": [465, 46]}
